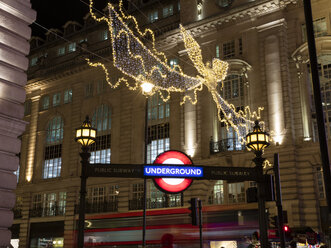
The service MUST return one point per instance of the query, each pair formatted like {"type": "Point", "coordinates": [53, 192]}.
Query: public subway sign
{"type": "Point", "coordinates": [173, 171]}
{"type": "Point", "coordinates": [180, 176]}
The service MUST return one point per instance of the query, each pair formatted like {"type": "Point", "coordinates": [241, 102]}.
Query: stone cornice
{"type": "Point", "coordinates": [323, 46]}
{"type": "Point", "coordinates": [205, 26]}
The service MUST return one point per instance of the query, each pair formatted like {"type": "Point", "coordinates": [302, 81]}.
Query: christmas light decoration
{"type": "Point", "coordinates": [148, 66]}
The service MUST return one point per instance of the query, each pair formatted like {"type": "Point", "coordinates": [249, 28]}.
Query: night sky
{"type": "Point", "coordinates": [55, 13]}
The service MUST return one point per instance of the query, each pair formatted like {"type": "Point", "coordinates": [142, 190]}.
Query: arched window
{"type": "Point", "coordinates": [100, 150]}
{"type": "Point", "coordinates": [324, 69]}
{"type": "Point", "coordinates": [233, 92]}
{"type": "Point", "coordinates": [53, 149]}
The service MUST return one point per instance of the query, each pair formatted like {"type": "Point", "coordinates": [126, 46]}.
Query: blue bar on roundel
{"type": "Point", "coordinates": [173, 171]}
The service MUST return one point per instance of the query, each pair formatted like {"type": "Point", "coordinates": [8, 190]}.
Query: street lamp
{"type": "Point", "coordinates": [85, 135]}
{"type": "Point", "coordinates": [257, 141]}
{"type": "Point", "coordinates": [147, 90]}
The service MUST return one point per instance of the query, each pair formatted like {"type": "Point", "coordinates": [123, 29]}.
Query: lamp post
{"type": "Point", "coordinates": [147, 90]}
{"type": "Point", "coordinates": [257, 141]}
{"type": "Point", "coordinates": [85, 135]}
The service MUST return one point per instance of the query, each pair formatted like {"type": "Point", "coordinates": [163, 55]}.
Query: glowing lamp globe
{"type": "Point", "coordinates": [86, 134]}
{"type": "Point", "coordinates": [147, 87]}
{"type": "Point", "coordinates": [257, 140]}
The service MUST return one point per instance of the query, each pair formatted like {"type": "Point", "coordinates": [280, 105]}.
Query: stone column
{"type": "Point", "coordinates": [274, 87]}
{"type": "Point", "coordinates": [15, 16]}
{"type": "Point", "coordinates": [190, 128]}
{"type": "Point", "coordinates": [32, 138]}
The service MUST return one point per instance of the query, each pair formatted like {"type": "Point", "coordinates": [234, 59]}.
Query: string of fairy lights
{"type": "Point", "coordinates": [143, 65]}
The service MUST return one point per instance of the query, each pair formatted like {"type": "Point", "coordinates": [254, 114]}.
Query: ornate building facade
{"type": "Point", "coordinates": [265, 44]}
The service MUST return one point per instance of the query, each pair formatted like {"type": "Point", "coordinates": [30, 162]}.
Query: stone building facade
{"type": "Point", "coordinates": [265, 45]}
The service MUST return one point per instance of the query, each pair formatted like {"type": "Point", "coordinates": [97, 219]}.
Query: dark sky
{"type": "Point", "coordinates": [55, 13]}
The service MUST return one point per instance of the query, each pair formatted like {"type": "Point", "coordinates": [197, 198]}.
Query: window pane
{"type": "Point", "coordinates": [228, 50]}
{"type": "Point", "coordinates": [61, 51]}
{"type": "Point", "coordinates": [72, 47]}
{"type": "Point", "coordinates": [56, 99]}
{"type": "Point", "coordinates": [45, 103]}
{"type": "Point", "coordinates": [67, 96]}
{"type": "Point", "coordinates": [168, 11]}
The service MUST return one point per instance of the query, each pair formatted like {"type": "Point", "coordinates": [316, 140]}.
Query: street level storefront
{"type": "Point", "coordinates": [47, 234]}
{"type": "Point", "coordinates": [236, 223]}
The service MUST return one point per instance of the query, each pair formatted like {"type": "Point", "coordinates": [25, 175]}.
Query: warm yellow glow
{"type": "Point", "coordinates": [28, 178]}
{"type": "Point", "coordinates": [85, 135]}
{"type": "Point", "coordinates": [211, 74]}
{"type": "Point", "coordinates": [257, 139]}
{"type": "Point", "coordinates": [147, 87]}
{"type": "Point", "coordinates": [32, 138]}
{"type": "Point", "coordinates": [278, 139]}
{"type": "Point", "coordinates": [86, 132]}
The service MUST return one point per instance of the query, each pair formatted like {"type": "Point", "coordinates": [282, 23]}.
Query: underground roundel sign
{"type": "Point", "coordinates": [172, 185]}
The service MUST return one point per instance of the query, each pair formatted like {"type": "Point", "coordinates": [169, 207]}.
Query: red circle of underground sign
{"type": "Point", "coordinates": [161, 184]}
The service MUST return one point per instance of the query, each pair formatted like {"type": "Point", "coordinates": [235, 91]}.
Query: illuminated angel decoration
{"type": "Point", "coordinates": [144, 65]}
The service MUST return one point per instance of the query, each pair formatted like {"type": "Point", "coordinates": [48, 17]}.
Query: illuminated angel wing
{"type": "Point", "coordinates": [239, 120]}
{"type": "Point", "coordinates": [135, 60]}
{"type": "Point", "coordinates": [193, 50]}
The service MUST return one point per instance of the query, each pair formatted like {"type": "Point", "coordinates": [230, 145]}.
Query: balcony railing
{"type": "Point", "coordinates": [136, 204]}
{"type": "Point", "coordinates": [99, 207]}
{"type": "Point", "coordinates": [225, 145]}
{"type": "Point", "coordinates": [43, 212]}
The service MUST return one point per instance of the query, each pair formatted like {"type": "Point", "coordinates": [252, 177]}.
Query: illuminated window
{"type": "Point", "coordinates": [320, 29]}
{"type": "Point", "coordinates": [33, 61]}
{"type": "Point", "coordinates": [175, 200]}
{"type": "Point", "coordinates": [153, 16]}
{"type": "Point", "coordinates": [233, 91]}
{"type": "Point", "coordinates": [53, 149]}
{"type": "Point", "coordinates": [158, 141]}
{"type": "Point", "coordinates": [157, 198]}
{"type": "Point", "coordinates": [229, 50]}
{"type": "Point", "coordinates": [233, 87]}
{"type": "Point", "coordinates": [104, 35]}
{"type": "Point", "coordinates": [48, 204]}
{"type": "Point", "coordinates": [72, 47]}
{"type": "Point", "coordinates": [217, 194]}
{"type": "Point", "coordinates": [157, 108]}
{"type": "Point", "coordinates": [168, 10]}
{"type": "Point", "coordinates": [236, 192]}
{"type": "Point", "coordinates": [67, 96]}
{"type": "Point", "coordinates": [61, 51]}
{"type": "Point", "coordinates": [83, 40]}
{"type": "Point", "coordinates": [45, 102]}
{"type": "Point", "coordinates": [325, 81]}
{"type": "Point", "coordinates": [217, 51]}
{"type": "Point", "coordinates": [56, 99]}
{"type": "Point", "coordinates": [137, 191]}
{"type": "Point", "coordinates": [224, 3]}
{"type": "Point", "coordinates": [100, 150]}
